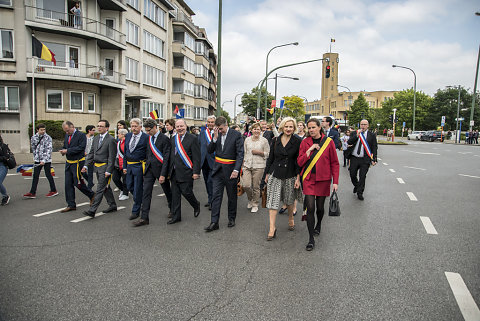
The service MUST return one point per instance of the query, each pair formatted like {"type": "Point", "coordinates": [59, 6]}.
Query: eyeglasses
{"type": "Point", "coordinates": [100, 126]}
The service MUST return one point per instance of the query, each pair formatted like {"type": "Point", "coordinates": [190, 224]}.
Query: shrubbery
{"type": "Point", "coordinates": [54, 128]}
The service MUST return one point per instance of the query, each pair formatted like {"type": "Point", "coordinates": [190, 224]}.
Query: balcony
{"type": "Point", "coordinates": [71, 71]}
{"type": "Point", "coordinates": [116, 5]}
{"type": "Point", "coordinates": [183, 18]}
{"type": "Point", "coordinates": [67, 24]}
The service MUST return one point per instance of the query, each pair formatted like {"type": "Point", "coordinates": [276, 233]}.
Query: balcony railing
{"type": "Point", "coordinates": [74, 69]}
{"type": "Point", "coordinates": [181, 17]}
{"type": "Point", "coordinates": [72, 22]}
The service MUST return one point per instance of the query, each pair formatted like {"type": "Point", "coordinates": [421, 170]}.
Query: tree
{"type": "Point", "coordinates": [225, 114]}
{"type": "Point", "coordinates": [359, 111]}
{"type": "Point", "coordinates": [445, 103]}
{"type": "Point", "coordinates": [293, 107]}
{"type": "Point", "coordinates": [249, 102]}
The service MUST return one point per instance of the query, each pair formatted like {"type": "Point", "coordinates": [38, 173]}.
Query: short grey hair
{"type": "Point", "coordinates": [181, 119]}
{"type": "Point", "coordinates": [136, 120]}
{"type": "Point", "coordinates": [123, 131]}
{"type": "Point", "coordinates": [211, 117]}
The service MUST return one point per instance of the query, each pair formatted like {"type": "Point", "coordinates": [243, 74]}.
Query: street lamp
{"type": "Point", "coordinates": [235, 107]}
{"type": "Point", "coordinates": [475, 86]}
{"type": "Point", "coordinates": [276, 77]}
{"type": "Point", "coordinates": [219, 57]}
{"type": "Point", "coordinates": [414, 91]}
{"type": "Point", "coordinates": [350, 97]}
{"type": "Point", "coordinates": [266, 68]}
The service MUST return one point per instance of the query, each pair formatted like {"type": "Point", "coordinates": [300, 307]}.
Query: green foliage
{"type": "Point", "coordinates": [53, 127]}
{"type": "Point", "coordinates": [225, 114]}
{"type": "Point", "coordinates": [293, 107]}
{"type": "Point", "coordinates": [249, 102]}
{"type": "Point", "coordinates": [445, 103]}
{"type": "Point", "coordinates": [359, 111]}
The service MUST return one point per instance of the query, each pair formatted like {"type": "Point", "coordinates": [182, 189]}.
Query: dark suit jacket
{"type": "Point", "coordinates": [192, 148]}
{"type": "Point", "coordinates": [268, 134]}
{"type": "Point", "coordinates": [335, 136]}
{"type": "Point", "coordinates": [282, 161]}
{"type": "Point", "coordinates": [105, 153]}
{"type": "Point", "coordinates": [232, 149]}
{"type": "Point", "coordinates": [371, 140]}
{"type": "Point", "coordinates": [140, 151]}
{"type": "Point", "coordinates": [204, 150]}
{"type": "Point", "coordinates": [164, 146]}
{"type": "Point", "coordinates": [76, 148]}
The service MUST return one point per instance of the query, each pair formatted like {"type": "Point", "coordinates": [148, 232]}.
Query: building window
{"type": "Point", "coordinates": [54, 99]}
{"type": "Point", "coordinates": [201, 92]}
{"type": "Point", "coordinates": [153, 76]}
{"type": "Point", "coordinates": [189, 111]}
{"type": "Point", "coordinates": [5, 3]}
{"type": "Point", "coordinates": [189, 65]}
{"type": "Point", "coordinates": [153, 44]}
{"type": "Point", "coordinates": [201, 71]}
{"type": "Point", "coordinates": [200, 48]}
{"type": "Point", "coordinates": [91, 102]}
{"type": "Point", "coordinates": [131, 67]}
{"type": "Point", "coordinates": [108, 67]}
{"type": "Point", "coordinates": [132, 33]}
{"type": "Point", "coordinates": [154, 13]}
{"type": "Point", "coordinates": [9, 98]}
{"type": "Point", "coordinates": [201, 113]}
{"type": "Point", "coordinates": [149, 106]}
{"type": "Point", "coordinates": [6, 44]}
{"type": "Point", "coordinates": [188, 88]}
{"type": "Point", "coordinates": [133, 3]}
{"type": "Point", "coordinates": [189, 41]}
{"type": "Point", "coordinates": [76, 101]}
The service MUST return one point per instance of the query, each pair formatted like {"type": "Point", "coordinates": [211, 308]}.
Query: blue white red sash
{"type": "Point", "coordinates": [181, 151]}
{"type": "Point", "coordinates": [119, 152]}
{"type": "Point", "coordinates": [156, 152]}
{"type": "Point", "coordinates": [208, 135]}
{"type": "Point", "coordinates": [366, 148]}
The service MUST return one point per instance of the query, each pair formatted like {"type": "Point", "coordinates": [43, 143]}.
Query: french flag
{"type": "Point", "coordinates": [278, 103]}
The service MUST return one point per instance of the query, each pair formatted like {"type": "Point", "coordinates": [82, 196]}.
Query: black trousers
{"type": "Point", "coordinates": [179, 189]}
{"type": "Point", "coordinates": [120, 180]}
{"type": "Point", "coordinates": [219, 183]}
{"type": "Point", "coordinates": [345, 159]}
{"type": "Point", "coordinates": [36, 175]}
{"type": "Point", "coordinates": [168, 192]}
{"type": "Point", "coordinates": [207, 177]}
{"type": "Point", "coordinates": [73, 178]}
{"type": "Point", "coordinates": [359, 165]}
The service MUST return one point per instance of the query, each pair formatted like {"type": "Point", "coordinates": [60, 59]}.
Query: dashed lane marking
{"type": "Point", "coordinates": [391, 170]}
{"type": "Point", "coordinates": [427, 223]}
{"type": "Point", "coordinates": [163, 194]}
{"type": "Point", "coordinates": [386, 164]}
{"type": "Point", "coordinates": [464, 153]}
{"type": "Point", "coordinates": [96, 215]}
{"type": "Point", "coordinates": [411, 196]}
{"type": "Point", "coordinates": [40, 177]}
{"type": "Point", "coordinates": [421, 169]}
{"type": "Point", "coordinates": [469, 175]}
{"type": "Point", "coordinates": [58, 210]}
{"type": "Point", "coordinates": [465, 301]}
{"type": "Point", "coordinates": [421, 153]}
{"type": "Point", "coordinates": [401, 181]}
{"type": "Point", "coordinates": [13, 174]}
{"type": "Point", "coordinates": [378, 158]}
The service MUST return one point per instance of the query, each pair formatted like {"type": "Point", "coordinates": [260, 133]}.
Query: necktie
{"type": "Point", "coordinates": [101, 141]}
{"type": "Point", "coordinates": [359, 149]}
{"type": "Point", "coordinates": [69, 139]}
{"type": "Point", "coordinates": [132, 143]}
{"type": "Point", "coordinates": [224, 137]}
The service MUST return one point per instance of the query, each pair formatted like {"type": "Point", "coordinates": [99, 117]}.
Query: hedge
{"type": "Point", "coordinates": [54, 128]}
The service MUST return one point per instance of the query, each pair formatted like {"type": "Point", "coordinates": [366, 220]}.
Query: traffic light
{"type": "Point", "coordinates": [396, 120]}
{"type": "Point", "coordinates": [327, 72]}
{"type": "Point", "coordinates": [390, 118]}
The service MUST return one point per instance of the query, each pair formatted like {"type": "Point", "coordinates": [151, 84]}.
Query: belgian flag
{"type": "Point", "coordinates": [41, 51]}
{"type": "Point", "coordinates": [154, 114]}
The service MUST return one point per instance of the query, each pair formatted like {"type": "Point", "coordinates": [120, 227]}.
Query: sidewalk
{"type": "Point", "coordinates": [27, 158]}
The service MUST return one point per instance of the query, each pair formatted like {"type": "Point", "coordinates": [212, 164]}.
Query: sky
{"type": "Point", "coordinates": [439, 40]}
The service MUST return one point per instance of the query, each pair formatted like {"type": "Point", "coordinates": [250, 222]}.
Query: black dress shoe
{"type": "Point", "coordinates": [133, 216]}
{"type": "Point", "coordinates": [310, 245]}
{"type": "Point", "coordinates": [211, 227]}
{"type": "Point", "coordinates": [360, 196]}
{"type": "Point", "coordinates": [170, 215]}
{"type": "Point", "coordinates": [196, 211]}
{"type": "Point", "coordinates": [354, 190]}
{"type": "Point", "coordinates": [88, 213]}
{"type": "Point", "coordinates": [231, 223]}
{"type": "Point", "coordinates": [207, 205]}
{"type": "Point", "coordinates": [172, 221]}
{"type": "Point", "coordinates": [110, 209]}
{"type": "Point", "coordinates": [140, 222]}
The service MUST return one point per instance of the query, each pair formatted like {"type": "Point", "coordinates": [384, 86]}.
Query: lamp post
{"type": "Point", "coordinates": [414, 91]}
{"type": "Point", "coordinates": [349, 98]}
{"type": "Point", "coordinates": [304, 98]}
{"type": "Point", "coordinates": [475, 86]}
{"type": "Point", "coordinates": [219, 60]}
{"type": "Point", "coordinates": [235, 107]}
{"type": "Point", "coordinates": [276, 77]}
{"type": "Point", "coordinates": [266, 68]}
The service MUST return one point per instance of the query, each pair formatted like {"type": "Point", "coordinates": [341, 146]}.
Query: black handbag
{"type": "Point", "coordinates": [10, 158]}
{"type": "Point", "coordinates": [334, 206]}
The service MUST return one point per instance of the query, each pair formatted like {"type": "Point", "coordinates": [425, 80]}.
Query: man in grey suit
{"type": "Point", "coordinates": [102, 155]}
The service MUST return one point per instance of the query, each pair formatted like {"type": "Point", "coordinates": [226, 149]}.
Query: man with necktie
{"type": "Point", "coordinates": [207, 160]}
{"type": "Point", "coordinates": [362, 152]}
{"type": "Point", "coordinates": [74, 150]}
{"type": "Point", "coordinates": [136, 143]}
{"type": "Point", "coordinates": [330, 131]}
{"type": "Point", "coordinates": [102, 157]}
{"type": "Point", "coordinates": [184, 169]}
{"type": "Point", "coordinates": [156, 168]}
{"type": "Point", "coordinates": [227, 144]}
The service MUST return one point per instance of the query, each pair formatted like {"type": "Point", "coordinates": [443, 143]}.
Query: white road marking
{"type": "Point", "coordinates": [391, 170]}
{"type": "Point", "coordinates": [163, 194]}
{"type": "Point", "coordinates": [411, 196]}
{"type": "Point", "coordinates": [55, 211]}
{"type": "Point", "coordinates": [40, 177]}
{"type": "Point", "coordinates": [378, 158]}
{"type": "Point", "coordinates": [469, 176]}
{"type": "Point", "coordinates": [13, 174]}
{"type": "Point", "coordinates": [465, 301]}
{"type": "Point", "coordinates": [427, 223]}
{"type": "Point", "coordinates": [463, 153]}
{"type": "Point", "coordinates": [155, 185]}
{"type": "Point", "coordinates": [96, 215]}
{"type": "Point", "coordinates": [476, 155]}
{"type": "Point", "coordinates": [422, 169]}
{"type": "Point", "coordinates": [401, 181]}
{"type": "Point", "coordinates": [422, 153]}
{"type": "Point", "coordinates": [385, 164]}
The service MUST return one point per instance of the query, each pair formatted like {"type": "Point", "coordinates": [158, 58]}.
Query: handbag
{"type": "Point", "coordinates": [240, 189]}
{"type": "Point", "coordinates": [10, 160]}
{"type": "Point", "coordinates": [264, 197]}
{"type": "Point", "coordinates": [334, 206]}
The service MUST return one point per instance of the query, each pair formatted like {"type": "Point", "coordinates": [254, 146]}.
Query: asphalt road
{"type": "Point", "coordinates": [374, 262]}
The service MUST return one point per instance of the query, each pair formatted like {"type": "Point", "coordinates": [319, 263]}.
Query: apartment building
{"type": "Point", "coordinates": [117, 59]}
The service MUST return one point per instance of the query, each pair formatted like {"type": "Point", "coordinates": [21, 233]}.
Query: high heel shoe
{"type": "Point", "coordinates": [269, 238]}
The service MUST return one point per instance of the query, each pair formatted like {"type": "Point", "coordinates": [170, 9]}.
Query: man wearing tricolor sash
{"type": "Point", "coordinates": [207, 160]}
{"type": "Point", "coordinates": [156, 168]}
{"type": "Point", "coordinates": [362, 152]}
{"type": "Point", "coordinates": [184, 168]}
{"type": "Point", "coordinates": [227, 144]}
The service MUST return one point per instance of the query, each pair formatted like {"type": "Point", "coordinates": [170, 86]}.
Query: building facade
{"type": "Point", "coordinates": [115, 59]}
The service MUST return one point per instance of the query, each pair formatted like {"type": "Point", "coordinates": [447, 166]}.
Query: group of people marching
{"type": "Point", "coordinates": [298, 163]}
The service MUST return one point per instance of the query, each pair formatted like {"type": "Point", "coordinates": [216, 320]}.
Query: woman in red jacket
{"type": "Point", "coordinates": [319, 162]}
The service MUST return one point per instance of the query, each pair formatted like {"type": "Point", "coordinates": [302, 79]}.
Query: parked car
{"type": "Point", "coordinates": [416, 135]}
{"type": "Point", "coordinates": [433, 135]}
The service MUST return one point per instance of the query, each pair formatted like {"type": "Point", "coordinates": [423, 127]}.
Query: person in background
{"type": "Point", "coordinates": [266, 132]}
{"type": "Point", "coordinates": [118, 176]}
{"type": "Point", "coordinates": [77, 15]}
{"type": "Point", "coordinates": [170, 127]}
{"type": "Point", "coordinates": [3, 171]}
{"type": "Point", "coordinates": [330, 131]}
{"type": "Point", "coordinates": [344, 141]}
{"type": "Point", "coordinates": [207, 160]}
{"type": "Point", "coordinates": [256, 150]}
{"type": "Point", "coordinates": [475, 136]}
{"type": "Point", "coordinates": [121, 124]}
{"type": "Point", "coordinates": [90, 133]}
{"type": "Point", "coordinates": [301, 130]}
{"type": "Point", "coordinates": [41, 144]}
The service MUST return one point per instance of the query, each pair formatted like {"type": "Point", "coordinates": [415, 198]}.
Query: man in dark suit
{"type": "Point", "coordinates": [74, 150]}
{"type": "Point", "coordinates": [361, 158]}
{"type": "Point", "coordinates": [228, 147]}
{"type": "Point", "coordinates": [135, 156]}
{"type": "Point", "coordinates": [330, 131]}
{"type": "Point", "coordinates": [207, 160]}
{"type": "Point", "coordinates": [268, 134]}
{"type": "Point", "coordinates": [156, 168]}
{"type": "Point", "coordinates": [102, 157]}
{"type": "Point", "coordinates": [184, 169]}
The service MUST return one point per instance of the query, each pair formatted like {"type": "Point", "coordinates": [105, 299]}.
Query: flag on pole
{"type": "Point", "coordinates": [154, 114]}
{"type": "Point", "coordinates": [332, 40]}
{"type": "Point", "coordinates": [278, 103]}
{"type": "Point", "coordinates": [180, 113]}
{"type": "Point", "coordinates": [41, 51]}
{"type": "Point", "coordinates": [176, 110]}
{"type": "Point", "coordinates": [270, 110]}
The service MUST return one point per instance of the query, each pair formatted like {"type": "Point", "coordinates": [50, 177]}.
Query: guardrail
{"type": "Point", "coordinates": [181, 17]}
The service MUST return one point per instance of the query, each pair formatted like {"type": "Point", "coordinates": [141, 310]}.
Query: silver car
{"type": "Point", "coordinates": [416, 135]}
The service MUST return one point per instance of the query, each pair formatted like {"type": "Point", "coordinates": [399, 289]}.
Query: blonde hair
{"type": "Point", "coordinates": [255, 125]}
{"type": "Point", "coordinates": [286, 120]}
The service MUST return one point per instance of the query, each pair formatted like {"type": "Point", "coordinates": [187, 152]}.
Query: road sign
{"type": "Point", "coordinates": [459, 119]}
{"type": "Point", "coordinates": [443, 121]}
{"type": "Point", "coordinates": [472, 123]}
{"type": "Point", "coordinates": [403, 124]}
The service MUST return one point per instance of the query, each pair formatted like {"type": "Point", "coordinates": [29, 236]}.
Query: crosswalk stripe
{"type": "Point", "coordinates": [96, 215]}
{"type": "Point", "coordinates": [421, 169]}
{"type": "Point", "coordinates": [427, 223]}
{"type": "Point", "coordinates": [469, 176]}
{"type": "Point", "coordinates": [385, 164]}
{"type": "Point", "coordinates": [411, 196]}
{"type": "Point", "coordinates": [464, 298]}
{"type": "Point", "coordinates": [163, 194]}
{"type": "Point", "coordinates": [401, 181]}
{"type": "Point", "coordinates": [58, 210]}
{"type": "Point", "coordinates": [392, 170]}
